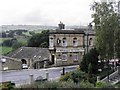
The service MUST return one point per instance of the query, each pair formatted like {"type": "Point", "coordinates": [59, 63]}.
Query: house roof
{"type": "Point", "coordinates": [34, 53]}
{"type": "Point", "coordinates": [5, 58]}
{"type": "Point", "coordinates": [63, 31]}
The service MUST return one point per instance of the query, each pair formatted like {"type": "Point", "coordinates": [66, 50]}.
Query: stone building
{"type": "Point", "coordinates": [67, 47]}
{"type": "Point", "coordinates": [7, 63]}
{"type": "Point", "coordinates": [89, 40]}
{"type": "Point", "coordinates": [34, 57]}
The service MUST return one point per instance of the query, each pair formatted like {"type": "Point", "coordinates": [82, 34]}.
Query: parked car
{"type": "Point", "coordinates": [24, 66]}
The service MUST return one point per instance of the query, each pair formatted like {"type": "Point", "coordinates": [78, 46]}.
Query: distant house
{"type": "Point", "coordinates": [34, 57]}
{"type": "Point", "coordinates": [7, 63]}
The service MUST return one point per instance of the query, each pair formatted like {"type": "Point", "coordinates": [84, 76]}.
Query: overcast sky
{"type": "Point", "coordinates": [45, 12]}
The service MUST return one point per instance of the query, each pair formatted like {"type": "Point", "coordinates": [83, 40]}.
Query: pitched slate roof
{"type": "Point", "coordinates": [30, 53]}
{"type": "Point", "coordinates": [63, 31]}
{"type": "Point", "coordinates": [4, 58]}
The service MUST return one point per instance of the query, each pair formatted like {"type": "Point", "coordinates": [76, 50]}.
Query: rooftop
{"type": "Point", "coordinates": [64, 31]}
{"type": "Point", "coordinates": [30, 53]}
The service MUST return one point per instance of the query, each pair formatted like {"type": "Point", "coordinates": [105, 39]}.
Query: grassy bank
{"type": "Point", "coordinates": [5, 50]}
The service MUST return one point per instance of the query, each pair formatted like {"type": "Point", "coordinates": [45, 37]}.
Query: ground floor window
{"type": "Point", "coordinates": [64, 56]}
{"type": "Point", "coordinates": [59, 56]}
{"type": "Point", "coordinates": [75, 57]}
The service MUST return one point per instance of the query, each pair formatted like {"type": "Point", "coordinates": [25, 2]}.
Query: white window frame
{"type": "Point", "coordinates": [75, 57]}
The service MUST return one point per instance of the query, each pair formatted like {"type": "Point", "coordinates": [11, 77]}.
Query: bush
{"type": "Point", "coordinates": [49, 84]}
{"type": "Point", "coordinates": [65, 77]}
{"type": "Point", "coordinates": [53, 85]}
{"type": "Point", "coordinates": [104, 85]}
{"type": "Point", "coordinates": [7, 86]}
{"type": "Point", "coordinates": [16, 45]}
{"type": "Point", "coordinates": [76, 76]}
{"type": "Point", "coordinates": [86, 84]}
{"type": "Point", "coordinates": [69, 84]}
{"type": "Point", "coordinates": [93, 80]}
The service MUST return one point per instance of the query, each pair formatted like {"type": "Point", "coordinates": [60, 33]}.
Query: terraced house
{"type": "Point", "coordinates": [67, 47]}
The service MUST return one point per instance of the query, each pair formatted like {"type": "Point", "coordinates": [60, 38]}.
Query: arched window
{"type": "Point", "coordinates": [90, 41]}
{"type": "Point", "coordinates": [51, 42]}
{"type": "Point", "coordinates": [64, 42]}
{"type": "Point", "coordinates": [74, 41]}
{"type": "Point", "coordinates": [58, 41]}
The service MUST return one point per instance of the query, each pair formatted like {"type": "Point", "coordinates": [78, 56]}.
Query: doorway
{"type": "Point", "coordinates": [53, 61]}
{"type": "Point", "coordinates": [24, 61]}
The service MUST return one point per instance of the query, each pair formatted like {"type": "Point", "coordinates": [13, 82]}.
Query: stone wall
{"type": "Point", "coordinates": [11, 64]}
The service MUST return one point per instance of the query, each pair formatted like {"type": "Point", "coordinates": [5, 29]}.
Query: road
{"type": "Point", "coordinates": [20, 77]}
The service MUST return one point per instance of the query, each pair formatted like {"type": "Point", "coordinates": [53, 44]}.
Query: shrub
{"type": "Point", "coordinates": [49, 84]}
{"type": "Point", "coordinates": [65, 77]}
{"type": "Point", "coordinates": [76, 76]}
{"type": "Point", "coordinates": [7, 86]}
{"type": "Point", "coordinates": [69, 84]}
{"type": "Point", "coordinates": [86, 84]}
{"type": "Point", "coordinates": [104, 85]}
{"type": "Point", "coordinates": [53, 85]}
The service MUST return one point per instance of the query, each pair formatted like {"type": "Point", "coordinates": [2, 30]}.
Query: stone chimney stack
{"type": "Point", "coordinates": [61, 25]}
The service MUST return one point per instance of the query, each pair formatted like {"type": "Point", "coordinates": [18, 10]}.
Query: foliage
{"type": "Point", "coordinates": [90, 69]}
{"type": "Point", "coordinates": [7, 86]}
{"type": "Point", "coordinates": [92, 79]}
{"type": "Point", "coordinates": [104, 73]}
{"type": "Point", "coordinates": [9, 42]}
{"type": "Point", "coordinates": [5, 50]}
{"type": "Point", "coordinates": [90, 57]}
{"type": "Point", "coordinates": [76, 76]}
{"type": "Point", "coordinates": [31, 32]}
{"type": "Point", "coordinates": [16, 45]}
{"type": "Point", "coordinates": [65, 77]}
{"type": "Point", "coordinates": [104, 85]}
{"type": "Point", "coordinates": [86, 84]}
{"type": "Point", "coordinates": [39, 39]}
{"type": "Point", "coordinates": [106, 27]}
{"type": "Point", "coordinates": [51, 85]}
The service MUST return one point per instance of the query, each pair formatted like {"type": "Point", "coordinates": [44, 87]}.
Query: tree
{"type": "Point", "coordinates": [16, 45]}
{"type": "Point", "coordinates": [39, 40]}
{"type": "Point", "coordinates": [106, 25]}
{"type": "Point", "coordinates": [90, 69]}
{"type": "Point", "coordinates": [90, 58]}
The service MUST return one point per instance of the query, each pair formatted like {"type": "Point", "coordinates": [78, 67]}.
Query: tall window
{"type": "Point", "coordinates": [74, 41]}
{"type": "Point", "coordinates": [64, 43]}
{"type": "Point", "coordinates": [90, 41]}
{"type": "Point", "coordinates": [58, 41]}
{"type": "Point", "coordinates": [75, 57]}
{"type": "Point", "coordinates": [59, 56]}
{"type": "Point", "coordinates": [64, 57]}
{"type": "Point", "coordinates": [51, 42]}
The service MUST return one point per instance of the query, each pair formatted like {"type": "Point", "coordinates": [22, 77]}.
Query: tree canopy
{"type": "Point", "coordinates": [39, 39]}
{"type": "Point", "coordinates": [107, 31]}
{"type": "Point", "coordinates": [91, 58]}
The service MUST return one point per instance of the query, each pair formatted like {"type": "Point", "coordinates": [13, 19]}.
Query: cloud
{"type": "Point", "coordinates": [38, 17]}
{"type": "Point", "coordinates": [44, 12]}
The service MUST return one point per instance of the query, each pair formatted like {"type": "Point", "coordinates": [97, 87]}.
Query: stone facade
{"type": "Point", "coordinates": [89, 40]}
{"type": "Point", "coordinates": [34, 57]}
{"type": "Point", "coordinates": [7, 63]}
{"type": "Point", "coordinates": [66, 47]}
